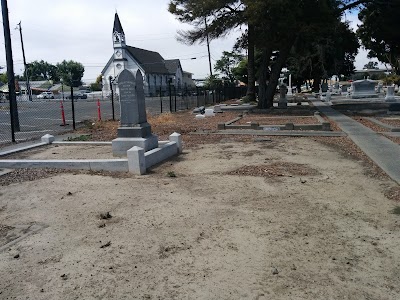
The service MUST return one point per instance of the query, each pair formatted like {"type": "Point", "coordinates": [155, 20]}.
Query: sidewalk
{"type": "Point", "coordinates": [381, 150]}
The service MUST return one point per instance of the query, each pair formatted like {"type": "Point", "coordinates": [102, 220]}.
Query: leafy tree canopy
{"type": "Point", "coordinates": [379, 31]}
{"type": "Point", "coordinates": [226, 65]}
{"type": "Point", "coordinates": [42, 70]}
{"type": "Point", "coordinates": [371, 65]}
{"type": "Point", "coordinates": [71, 72]}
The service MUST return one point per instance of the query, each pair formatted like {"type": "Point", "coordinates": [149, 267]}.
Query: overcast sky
{"type": "Point", "coordinates": [81, 30]}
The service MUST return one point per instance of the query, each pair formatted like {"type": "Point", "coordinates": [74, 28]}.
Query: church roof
{"type": "Point", "coordinates": [172, 65]}
{"type": "Point", "coordinates": [152, 62]}
{"type": "Point", "coordinates": [117, 25]}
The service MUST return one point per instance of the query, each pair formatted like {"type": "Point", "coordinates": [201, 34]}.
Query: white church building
{"type": "Point", "coordinates": [155, 69]}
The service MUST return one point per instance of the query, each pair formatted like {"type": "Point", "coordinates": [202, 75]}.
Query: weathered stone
{"type": "Point", "coordinates": [363, 89]}
{"type": "Point", "coordinates": [390, 94]}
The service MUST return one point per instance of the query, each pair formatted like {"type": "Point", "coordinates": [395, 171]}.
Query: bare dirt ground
{"type": "Point", "coordinates": [282, 218]}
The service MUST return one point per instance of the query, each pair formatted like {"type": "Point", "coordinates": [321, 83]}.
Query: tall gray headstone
{"type": "Point", "coordinates": [133, 109]}
{"type": "Point", "coordinates": [133, 106]}
{"type": "Point", "coordinates": [282, 96]}
{"type": "Point", "coordinates": [134, 129]}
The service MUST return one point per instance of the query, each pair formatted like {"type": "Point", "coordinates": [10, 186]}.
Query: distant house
{"type": "Point", "coordinates": [157, 72]}
{"type": "Point", "coordinates": [188, 80]}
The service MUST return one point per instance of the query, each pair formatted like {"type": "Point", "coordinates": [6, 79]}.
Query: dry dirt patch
{"type": "Point", "coordinates": [276, 169]}
{"type": "Point", "coordinates": [207, 235]}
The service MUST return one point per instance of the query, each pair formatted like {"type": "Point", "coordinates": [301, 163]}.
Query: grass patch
{"type": "Point", "coordinates": [396, 210]}
{"type": "Point", "coordinates": [171, 174]}
{"type": "Point", "coordinates": [81, 138]}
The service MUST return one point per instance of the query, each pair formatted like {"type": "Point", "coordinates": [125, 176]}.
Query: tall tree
{"type": "Point", "coordinates": [227, 64]}
{"type": "Point", "coordinates": [319, 54]}
{"type": "Point", "coordinates": [371, 65]}
{"type": "Point", "coordinates": [222, 17]}
{"type": "Point", "coordinates": [42, 70]}
{"type": "Point", "coordinates": [71, 72]}
{"type": "Point", "coordinates": [379, 31]}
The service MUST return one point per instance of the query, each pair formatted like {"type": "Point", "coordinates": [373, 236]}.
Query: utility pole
{"type": "Point", "coordinates": [208, 46]}
{"type": "Point", "coordinates": [10, 71]}
{"type": "Point", "coordinates": [28, 87]}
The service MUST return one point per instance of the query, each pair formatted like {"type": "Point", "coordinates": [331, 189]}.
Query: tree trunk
{"type": "Point", "coordinates": [316, 84]}
{"type": "Point", "coordinates": [262, 87]}
{"type": "Point", "coordinates": [251, 85]}
{"type": "Point", "coordinates": [276, 72]}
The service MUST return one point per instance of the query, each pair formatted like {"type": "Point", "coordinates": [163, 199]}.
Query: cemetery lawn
{"type": "Point", "coordinates": [233, 217]}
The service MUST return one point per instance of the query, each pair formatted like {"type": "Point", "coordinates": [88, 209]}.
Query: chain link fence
{"type": "Point", "coordinates": [53, 112]}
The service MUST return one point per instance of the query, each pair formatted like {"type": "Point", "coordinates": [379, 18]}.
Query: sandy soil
{"type": "Point", "coordinates": [67, 152]}
{"type": "Point", "coordinates": [321, 229]}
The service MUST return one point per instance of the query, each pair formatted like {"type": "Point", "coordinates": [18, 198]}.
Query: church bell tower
{"type": "Point", "coordinates": [119, 46]}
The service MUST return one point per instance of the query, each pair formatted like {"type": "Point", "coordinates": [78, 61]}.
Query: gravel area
{"type": "Point", "coordinates": [395, 122]}
{"type": "Point", "coordinates": [369, 124]}
{"type": "Point", "coordinates": [394, 139]}
{"type": "Point", "coordinates": [280, 169]}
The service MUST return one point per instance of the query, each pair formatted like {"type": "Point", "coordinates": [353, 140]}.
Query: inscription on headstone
{"type": "Point", "coordinates": [133, 110]}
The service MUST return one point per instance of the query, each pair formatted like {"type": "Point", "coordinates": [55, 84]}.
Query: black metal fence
{"type": "Point", "coordinates": [55, 112]}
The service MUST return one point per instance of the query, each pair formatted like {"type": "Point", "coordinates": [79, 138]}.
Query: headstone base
{"type": "Point", "coordinates": [140, 131]}
{"type": "Point", "coordinates": [363, 96]}
{"type": "Point", "coordinates": [121, 145]}
{"type": "Point", "coordinates": [282, 104]}
{"type": "Point", "coordinates": [390, 99]}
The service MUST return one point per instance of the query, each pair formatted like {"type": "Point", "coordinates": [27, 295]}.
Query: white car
{"type": "Point", "coordinates": [46, 95]}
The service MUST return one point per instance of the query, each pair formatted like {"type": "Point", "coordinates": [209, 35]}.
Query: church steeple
{"type": "Point", "coordinates": [118, 33]}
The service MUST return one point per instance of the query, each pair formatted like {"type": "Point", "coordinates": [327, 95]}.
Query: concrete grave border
{"type": "Point", "coordinates": [323, 125]}
{"type": "Point", "coordinates": [137, 161]}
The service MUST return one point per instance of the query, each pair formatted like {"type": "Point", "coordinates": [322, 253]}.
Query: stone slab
{"type": "Point", "coordinates": [141, 130]}
{"type": "Point", "coordinates": [121, 145]}
{"type": "Point", "coordinates": [158, 155]}
{"type": "Point", "coordinates": [94, 165]}
{"type": "Point", "coordinates": [278, 133]}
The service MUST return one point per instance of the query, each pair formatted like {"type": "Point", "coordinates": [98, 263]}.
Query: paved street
{"type": "Point", "coordinates": [40, 117]}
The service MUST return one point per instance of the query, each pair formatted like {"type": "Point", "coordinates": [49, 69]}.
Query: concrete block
{"type": "Point", "coordinates": [326, 126]}
{"type": "Point", "coordinates": [221, 126]}
{"type": "Point", "coordinates": [158, 155]}
{"type": "Point", "coordinates": [289, 126]}
{"type": "Point", "coordinates": [136, 160]}
{"type": "Point", "coordinates": [48, 139]}
{"type": "Point", "coordinates": [254, 126]}
{"type": "Point", "coordinates": [110, 165]}
{"type": "Point", "coordinates": [177, 138]}
{"type": "Point", "coordinates": [121, 145]}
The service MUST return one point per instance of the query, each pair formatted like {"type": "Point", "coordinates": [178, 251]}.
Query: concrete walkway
{"type": "Point", "coordinates": [381, 150]}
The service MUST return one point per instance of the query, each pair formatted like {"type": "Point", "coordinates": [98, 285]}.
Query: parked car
{"type": "Point", "coordinates": [77, 96]}
{"type": "Point", "coordinates": [46, 95]}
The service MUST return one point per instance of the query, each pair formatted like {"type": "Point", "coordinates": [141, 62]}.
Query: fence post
{"type": "Point", "coordinates": [98, 110]}
{"type": "Point", "coordinates": [161, 99]}
{"type": "Point", "coordinates": [112, 98]}
{"type": "Point", "coordinates": [187, 98]}
{"type": "Point", "coordinates": [170, 95]}
{"type": "Point", "coordinates": [197, 96]}
{"type": "Point", "coordinates": [73, 107]}
{"type": "Point", "coordinates": [175, 96]}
